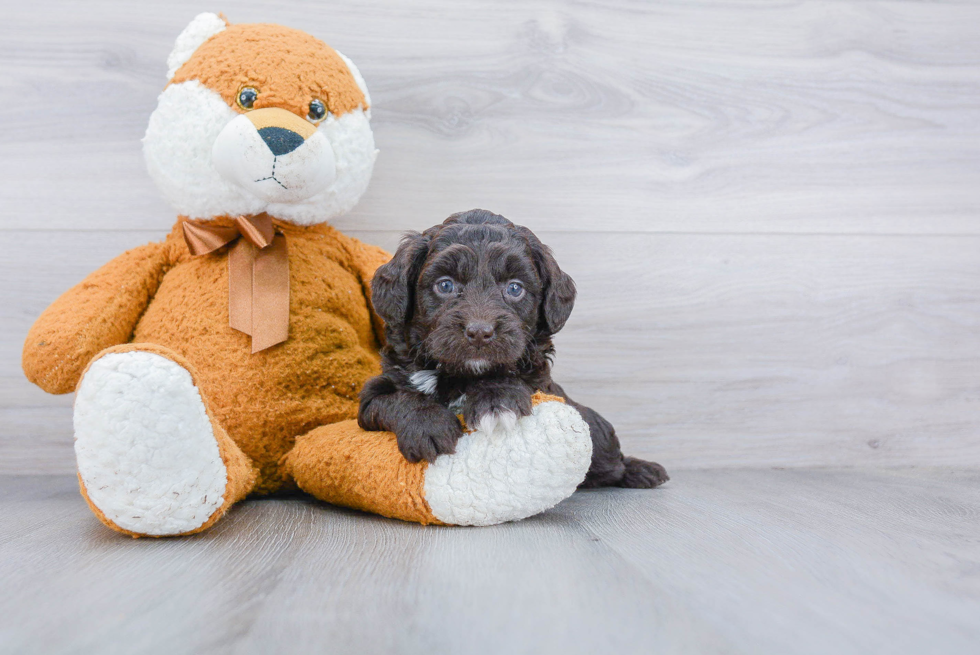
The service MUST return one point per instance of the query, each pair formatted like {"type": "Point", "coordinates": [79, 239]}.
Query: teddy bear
{"type": "Point", "coordinates": [226, 360]}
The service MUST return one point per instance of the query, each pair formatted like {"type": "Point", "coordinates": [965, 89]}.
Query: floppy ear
{"type": "Point", "coordinates": [558, 288]}
{"type": "Point", "coordinates": [559, 293]}
{"type": "Point", "coordinates": [393, 286]}
{"type": "Point", "coordinates": [199, 30]}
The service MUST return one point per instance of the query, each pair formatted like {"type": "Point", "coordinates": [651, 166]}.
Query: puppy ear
{"type": "Point", "coordinates": [559, 293]}
{"type": "Point", "coordinates": [393, 286]}
{"type": "Point", "coordinates": [558, 288]}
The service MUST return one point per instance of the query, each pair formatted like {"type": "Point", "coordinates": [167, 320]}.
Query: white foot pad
{"type": "Point", "coordinates": [510, 475]}
{"type": "Point", "coordinates": [145, 447]}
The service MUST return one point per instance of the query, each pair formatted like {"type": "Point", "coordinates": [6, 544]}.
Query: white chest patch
{"type": "Point", "coordinates": [425, 381]}
{"type": "Point", "coordinates": [456, 406]}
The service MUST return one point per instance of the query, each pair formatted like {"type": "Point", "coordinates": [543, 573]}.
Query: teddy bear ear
{"type": "Point", "coordinates": [202, 28]}
{"type": "Point", "coordinates": [357, 77]}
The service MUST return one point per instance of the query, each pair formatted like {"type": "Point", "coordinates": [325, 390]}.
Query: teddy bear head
{"type": "Point", "coordinates": [260, 118]}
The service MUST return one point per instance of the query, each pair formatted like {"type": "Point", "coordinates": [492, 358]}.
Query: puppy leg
{"type": "Point", "coordinates": [641, 474]}
{"type": "Point", "coordinates": [609, 467]}
{"type": "Point", "coordinates": [424, 428]}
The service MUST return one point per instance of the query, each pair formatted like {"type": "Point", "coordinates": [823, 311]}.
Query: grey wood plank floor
{"type": "Point", "coordinates": [729, 561]}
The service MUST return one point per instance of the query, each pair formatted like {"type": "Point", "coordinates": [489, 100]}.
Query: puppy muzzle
{"type": "Point", "coordinates": [274, 155]}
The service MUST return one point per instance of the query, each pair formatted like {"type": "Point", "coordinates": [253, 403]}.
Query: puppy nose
{"type": "Point", "coordinates": [478, 333]}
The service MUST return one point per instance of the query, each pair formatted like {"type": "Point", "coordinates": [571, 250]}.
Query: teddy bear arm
{"type": "Point", "coordinates": [99, 312]}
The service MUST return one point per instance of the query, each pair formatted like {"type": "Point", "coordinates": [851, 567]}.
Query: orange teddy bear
{"type": "Point", "coordinates": [227, 359]}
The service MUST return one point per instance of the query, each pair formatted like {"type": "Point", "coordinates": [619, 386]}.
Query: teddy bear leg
{"type": "Point", "coordinates": [152, 460]}
{"type": "Point", "coordinates": [490, 479]}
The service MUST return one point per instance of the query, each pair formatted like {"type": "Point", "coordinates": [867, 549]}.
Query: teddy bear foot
{"type": "Point", "coordinates": [149, 457]}
{"type": "Point", "coordinates": [508, 475]}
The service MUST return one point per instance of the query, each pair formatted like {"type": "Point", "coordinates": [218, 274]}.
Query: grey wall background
{"type": "Point", "coordinates": [771, 210]}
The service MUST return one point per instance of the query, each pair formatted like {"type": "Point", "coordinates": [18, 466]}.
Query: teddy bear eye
{"type": "Point", "coordinates": [246, 97]}
{"type": "Point", "coordinates": [317, 110]}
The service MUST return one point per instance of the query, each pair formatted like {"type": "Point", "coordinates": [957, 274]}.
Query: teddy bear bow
{"type": "Point", "coordinates": [258, 274]}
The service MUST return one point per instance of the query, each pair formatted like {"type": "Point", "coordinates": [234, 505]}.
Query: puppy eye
{"type": "Point", "coordinates": [246, 97]}
{"type": "Point", "coordinates": [445, 286]}
{"type": "Point", "coordinates": [515, 290]}
{"type": "Point", "coordinates": [317, 110]}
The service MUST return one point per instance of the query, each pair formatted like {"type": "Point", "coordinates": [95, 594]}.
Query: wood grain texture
{"type": "Point", "coordinates": [736, 561]}
{"type": "Point", "coordinates": [715, 116]}
{"type": "Point", "coordinates": [771, 210]}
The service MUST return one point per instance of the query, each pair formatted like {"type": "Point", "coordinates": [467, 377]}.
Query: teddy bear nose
{"type": "Point", "coordinates": [478, 333]}
{"type": "Point", "coordinates": [280, 140]}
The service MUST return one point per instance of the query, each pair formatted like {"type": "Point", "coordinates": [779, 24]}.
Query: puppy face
{"type": "Point", "coordinates": [477, 299]}
{"type": "Point", "coordinates": [473, 294]}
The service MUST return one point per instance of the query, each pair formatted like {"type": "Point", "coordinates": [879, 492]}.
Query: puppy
{"type": "Point", "coordinates": [470, 307]}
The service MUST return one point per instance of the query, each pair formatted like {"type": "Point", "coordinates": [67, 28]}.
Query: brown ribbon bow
{"type": "Point", "coordinates": [258, 274]}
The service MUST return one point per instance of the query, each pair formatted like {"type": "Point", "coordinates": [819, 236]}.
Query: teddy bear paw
{"type": "Point", "coordinates": [148, 460]}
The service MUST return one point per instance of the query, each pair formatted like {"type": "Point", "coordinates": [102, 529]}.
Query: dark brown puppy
{"type": "Point", "coordinates": [470, 307]}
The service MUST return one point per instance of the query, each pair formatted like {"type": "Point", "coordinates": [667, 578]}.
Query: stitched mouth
{"type": "Point", "coordinates": [273, 175]}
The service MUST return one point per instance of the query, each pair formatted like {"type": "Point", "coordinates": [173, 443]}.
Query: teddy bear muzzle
{"type": "Point", "coordinates": [274, 155]}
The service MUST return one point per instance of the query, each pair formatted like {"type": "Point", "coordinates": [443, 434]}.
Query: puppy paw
{"type": "Point", "coordinates": [507, 420]}
{"type": "Point", "coordinates": [496, 407]}
{"type": "Point", "coordinates": [432, 431]}
{"type": "Point", "coordinates": [641, 474]}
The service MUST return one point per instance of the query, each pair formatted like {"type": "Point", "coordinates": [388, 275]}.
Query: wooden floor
{"type": "Point", "coordinates": [729, 561]}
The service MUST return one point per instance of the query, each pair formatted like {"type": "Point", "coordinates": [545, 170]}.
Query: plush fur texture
{"type": "Point", "coordinates": [288, 69]}
{"type": "Point", "coordinates": [470, 307]}
{"type": "Point", "coordinates": [123, 391]}
{"type": "Point", "coordinates": [492, 478]}
{"type": "Point", "coordinates": [199, 30]}
{"type": "Point", "coordinates": [152, 460]}
{"type": "Point", "coordinates": [506, 475]}
{"type": "Point", "coordinates": [158, 294]}
{"type": "Point", "coordinates": [297, 163]}
{"type": "Point", "coordinates": [161, 295]}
